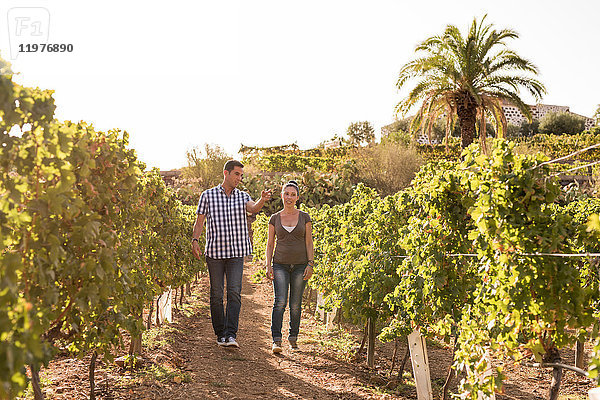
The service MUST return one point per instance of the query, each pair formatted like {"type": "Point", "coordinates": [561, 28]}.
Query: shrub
{"type": "Point", "coordinates": [562, 123]}
{"type": "Point", "coordinates": [206, 166]}
{"type": "Point", "coordinates": [387, 167]}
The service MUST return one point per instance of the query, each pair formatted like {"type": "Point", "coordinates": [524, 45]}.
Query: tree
{"type": "Point", "coordinates": [597, 115]}
{"type": "Point", "coordinates": [206, 166]}
{"type": "Point", "coordinates": [467, 79]}
{"type": "Point", "coordinates": [530, 128]}
{"type": "Point", "coordinates": [562, 123]}
{"type": "Point", "coordinates": [361, 132]}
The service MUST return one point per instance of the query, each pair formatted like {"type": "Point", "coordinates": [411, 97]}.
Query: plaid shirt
{"type": "Point", "coordinates": [226, 224]}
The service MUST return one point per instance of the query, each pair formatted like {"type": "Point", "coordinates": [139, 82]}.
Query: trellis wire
{"type": "Point", "coordinates": [576, 168]}
{"type": "Point", "coordinates": [565, 157]}
{"type": "Point", "coordinates": [563, 255]}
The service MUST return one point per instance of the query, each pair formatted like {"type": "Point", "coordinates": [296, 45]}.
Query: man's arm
{"type": "Point", "coordinates": [196, 233]}
{"type": "Point", "coordinates": [254, 207]}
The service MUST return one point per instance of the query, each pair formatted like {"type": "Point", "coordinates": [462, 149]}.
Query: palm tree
{"type": "Point", "coordinates": [467, 79]}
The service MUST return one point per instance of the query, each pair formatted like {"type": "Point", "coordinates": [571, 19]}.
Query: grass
{"type": "Point", "coordinates": [192, 306]}
{"type": "Point", "coordinates": [164, 373]}
{"type": "Point", "coordinates": [158, 337]}
{"type": "Point", "coordinates": [44, 382]}
{"type": "Point", "coordinates": [339, 341]}
{"type": "Point", "coordinates": [258, 276]}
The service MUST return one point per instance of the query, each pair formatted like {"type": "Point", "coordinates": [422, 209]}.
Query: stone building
{"type": "Point", "coordinates": [515, 117]}
{"type": "Point", "coordinates": [170, 176]}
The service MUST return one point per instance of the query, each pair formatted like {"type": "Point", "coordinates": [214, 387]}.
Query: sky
{"type": "Point", "coordinates": [180, 74]}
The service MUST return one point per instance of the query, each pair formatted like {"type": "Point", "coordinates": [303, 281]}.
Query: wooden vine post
{"type": "Point", "coordinates": [488, 372]}
{"type": "Point", "coordinates": [164, 311]}
{"type": "Point", "coordinates": [594, 394]}
{"type": "Point", "coordinates": [420, 365]}
{"type": "Point", "coordinates": [320, 310]}
{"type": "Point", "coordinates": [330, 318]}
{"type": "Point", "coordinates": [371, 343]}
{"type": "Point", "coordinates": [579, 354]}
{"type": "Point", "coordinates": [92, 371]}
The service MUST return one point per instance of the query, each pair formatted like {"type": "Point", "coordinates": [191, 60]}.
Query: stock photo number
{"type": "Point", "coordinates": [45, 48]}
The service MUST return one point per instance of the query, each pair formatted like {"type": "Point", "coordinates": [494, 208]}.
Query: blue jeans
{"type": "Point", "coordinates": [287, 278]}
{"type": "Point", "coordinates": [225, 321]}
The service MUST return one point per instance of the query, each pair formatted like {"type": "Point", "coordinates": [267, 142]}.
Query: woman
{"type": "Point", "coordinates": [291, 265]}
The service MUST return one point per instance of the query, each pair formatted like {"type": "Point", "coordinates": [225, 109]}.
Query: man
{"type": "Point", "coordinates": [227, 242]}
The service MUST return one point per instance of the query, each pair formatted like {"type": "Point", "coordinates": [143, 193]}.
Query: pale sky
{"type": "Point", "coordinates": [180, 74]}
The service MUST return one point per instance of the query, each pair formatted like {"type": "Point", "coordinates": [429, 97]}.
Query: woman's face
{"type": "Point", "coordinates": [289, 195]}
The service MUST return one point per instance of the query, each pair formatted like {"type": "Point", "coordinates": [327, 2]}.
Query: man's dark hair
{"type": "Point", "coordinates": [231, 164]}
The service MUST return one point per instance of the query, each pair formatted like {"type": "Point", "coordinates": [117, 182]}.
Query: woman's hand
{"type": "Point", "coordinates": [308, 271]}
{"type": "Point", "coordinates": [270, 272]}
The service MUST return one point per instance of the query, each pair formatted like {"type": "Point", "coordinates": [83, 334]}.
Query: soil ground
{"type": "Point", "coordinates": [183, 361]}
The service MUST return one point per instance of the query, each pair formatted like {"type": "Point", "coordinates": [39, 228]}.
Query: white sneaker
{"type": "Point", "coordinates": [221, 341]}
{"type": "Point", "coordinates": [277, 348]}
{"type": "Point", "coordinates": [230, 342]}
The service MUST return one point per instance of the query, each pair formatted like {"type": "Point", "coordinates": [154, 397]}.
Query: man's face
{"type": "Point", "coordinates": [233, 178]}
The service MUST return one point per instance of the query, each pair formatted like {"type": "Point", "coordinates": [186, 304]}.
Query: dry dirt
{"type": "Point", "coordinates": [184, 362]}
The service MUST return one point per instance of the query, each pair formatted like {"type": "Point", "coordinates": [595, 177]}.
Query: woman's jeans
{"type": "Point", "coordinates": [288, 278]}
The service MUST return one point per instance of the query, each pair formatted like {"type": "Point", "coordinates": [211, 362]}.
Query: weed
{"type": "Point", "coordinates": [337, 340]}
{"type": "Point", "coordinates": [158, 337]}
{"type": "Point", "coordinates": [258, 276]}
{"type": "Point", "coordinates": [44, 382]}
{"type": "Point", "coordinates": [164, 373]}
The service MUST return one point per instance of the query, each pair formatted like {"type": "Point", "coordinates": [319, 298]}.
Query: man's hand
{"type": "Point", "coordinates": [269, 272]}
{"type": "Point", "coordinates": [254, 208]}
{"type": "Point", "coordinates": [266, 194]}
{"type": "Point", "coordinates": [196, 249]}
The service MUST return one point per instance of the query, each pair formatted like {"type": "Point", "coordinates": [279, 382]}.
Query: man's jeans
{"type": "Point", "coordinates": [225, 321]}
{"type": "Point", "coordinates": [287, 278]}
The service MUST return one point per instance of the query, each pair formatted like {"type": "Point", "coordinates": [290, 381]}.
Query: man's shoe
{"type": "Point", "coordinates": [277, 347]}
{"type": "Point", "coordinates": [221, 341]}
{"type": "Point", "coordinates": [293, 344]}
{"type": "Point", "coordinates": [230, 342]}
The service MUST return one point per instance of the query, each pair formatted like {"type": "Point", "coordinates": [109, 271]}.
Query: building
{"type": "Point", "coordinates": [514, 116]}
{"type": "Point", "coordinates": [332, 144]}
{"type": "Point", "coordinates": [170, 176]}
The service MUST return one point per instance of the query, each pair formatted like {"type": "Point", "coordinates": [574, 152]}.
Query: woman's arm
{"type": "Point", "coordinates": [310, 252]}
{"type": "Point", "coordinates": [269, 251]}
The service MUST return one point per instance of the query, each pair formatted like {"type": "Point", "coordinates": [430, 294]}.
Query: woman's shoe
{"type": "Point", "coordinates": [293, 344]}
{"type": "Point", "coordinates": [277, 347]}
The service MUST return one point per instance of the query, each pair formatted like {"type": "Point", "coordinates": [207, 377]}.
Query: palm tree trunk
{"type": "Point", "coordinates": [467, 129]}
{"type": "Point", "coordinates": [467, 115]}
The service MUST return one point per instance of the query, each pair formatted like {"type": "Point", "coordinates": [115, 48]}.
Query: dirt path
{"type": "Point", "coordinates": [184, 362]}
{"type": "Point", "coordinates": [252, 371]}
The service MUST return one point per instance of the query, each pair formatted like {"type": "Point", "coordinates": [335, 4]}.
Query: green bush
{"type": "Point", "coordinates": [206, 166]}
{"type": "Point", "coordinates": [387, 167]}
{"type": "Point", "coordinates": [562, 123]}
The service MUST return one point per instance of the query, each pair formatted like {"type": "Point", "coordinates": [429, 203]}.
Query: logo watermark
{"type": "Point", "coordinates": [27, 26]}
